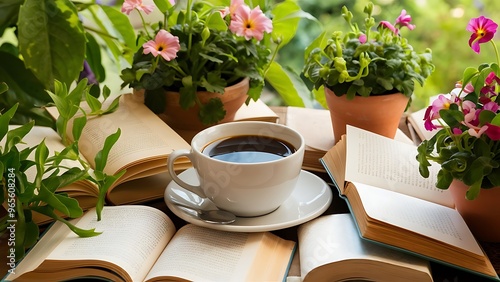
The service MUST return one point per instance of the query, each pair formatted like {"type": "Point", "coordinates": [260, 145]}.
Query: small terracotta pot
{"type": "Point", "coordinates": [186, 120]}
{"type": "Point", "coordinates": [482, 214]}
{"type": "Point", "coordinates": [379, 114]}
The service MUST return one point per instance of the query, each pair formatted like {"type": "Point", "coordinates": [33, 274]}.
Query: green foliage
{"type": "Point", "coordinates": [52, 39]}
{"type": "Point", "coordinates": [212, 57]}
{"type": "Point", "coordinates": [385, 63]}
{"type": "Point", "coordinates": [31, 176]}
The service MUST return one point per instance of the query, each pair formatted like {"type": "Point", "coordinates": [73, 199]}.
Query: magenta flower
{"type": "Point", "coordinates": [404, 20]}
{"type": "Point", "coordinates": [250, 23]}
{"type": "Point", "coordinates": [493, 132]}
{"type": "Point", "coordinates": [483, 30]}
{"type": "Point", "coordinates": [388, 25]}
{"type": "Point", "coordinates": [362, 38]}
{"type": "Point", "coordinates": [129, 5]}
{"type": "Point", "coordinates": [165, 44]}
{"type": "Point", "coordinates": [492, 78]}
{"type": "Point", "coordinates": [432, 112]}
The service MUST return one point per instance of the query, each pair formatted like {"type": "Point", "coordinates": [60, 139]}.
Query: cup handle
{"type": "Point", "coordinates": [171, 159]}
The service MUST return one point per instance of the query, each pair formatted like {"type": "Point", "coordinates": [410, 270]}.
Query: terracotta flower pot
{"type": "Point", "coordinates": [482, 214]}
{"type": "Point", "coordinates": [379, 114]}
{"type": "Point", "coordinates": [187, 121]}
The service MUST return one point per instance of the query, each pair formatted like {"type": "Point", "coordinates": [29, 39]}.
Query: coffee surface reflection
{"type": "Point", "coordinates": [249, 149]}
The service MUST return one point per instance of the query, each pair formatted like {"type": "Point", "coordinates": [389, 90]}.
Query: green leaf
{"type": "Point", "coordinates": [289, 85]}
{"type": "Point", "coordinates": [94, 103]}
{"type": "Point", "coordinates": [102, 156]}
{"type": "Point", "coordinates": [212, 112]}
{"type": "Point", "coordinates": [105, 184]}
{"type": "Point", "coordinates": [71, 204]}
{"type": "Point", "coordinates": [320, 43]}
{"type": "Point", "coordinates": [24, 89]}
{"type": "Point", "coordinates": [286, 20]}
{"type": "Point", "coordinates": [121, 23]}
{"type": "Point", "coordinates": [32, 234]}
{"type": "Point", "coordinates": [496, 120]}
{"type": "Point", "coordinates": [5, 120]}
{"type": "Point", "coordinates": [112, 45]}
{"type": "Point", "coordinates": [94, 58]}
{"type": "Point", "coordinates": [50, 198]}
{"type": "Point", "coordinates": [78, 125]}
{"type": "Point", "coordinates": [8, 13]}
{"type": "Point", "coordinates": [473, 191]}
{"type": "Point", "coordinates": [48, 211]}
{"type": "Point", "coordinates": [41, 154]}
{"type": "Point", "coordinates": [113, 106]}
{"type": "Point", "coordinates": [3, 87]}
{"type": "Point", "coordinates": [16, 135]}
{"type": "Point", "coordinates": [70, 176]}
{"type": "Point", "coordinates": [163, 5]}
{"type": "Point", "coordinates": [48, 31]}
{"type": "Point", "coordinates": [468, 74]}
{"type": "Point", "coordinates": [216, 22]}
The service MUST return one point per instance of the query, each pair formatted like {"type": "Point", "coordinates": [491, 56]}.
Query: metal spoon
{"type": "Point", "coordinates": [209, 216]}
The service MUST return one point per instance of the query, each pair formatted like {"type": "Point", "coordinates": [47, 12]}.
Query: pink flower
{"type": "Point", "coordinates": [224, 12]}
{"type": "Point", "coordinates": [235, 4]}
{"type": "Point", "coordinates": [362, 38]}
{"type": "Point", "coordinates": [129, 5]}
{"type": "Point", "coordinates": [477, 131]}
{"type": "Point", "coordinates": [404, 20]}
{"type": "Point", "coordinates": [468, 88]}
{"type": "Point", "coordinates": [491, 106]}
{"type": "Point", "coordinates": [250, 23]}
{"type": "Point", "coordinates": [388, 25]}
{"type": "Point", "coordinates": [432, 112]}
{"type": "Point", "coordinates": [483, 30]}
{"type": "Point", "coordinates": [165, 44]}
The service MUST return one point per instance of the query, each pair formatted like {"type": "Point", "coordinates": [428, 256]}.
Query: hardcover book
{"type": "Point", "coordinates": [394, 206]}
{"type": "Point", "coordinates": [140, 243]}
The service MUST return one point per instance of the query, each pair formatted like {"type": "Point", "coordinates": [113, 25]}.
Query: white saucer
{"type": "Point", "coordinates": [311, 197]}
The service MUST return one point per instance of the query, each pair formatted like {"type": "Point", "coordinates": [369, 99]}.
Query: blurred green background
{"type": "Point", "coordinates": [440, 25]}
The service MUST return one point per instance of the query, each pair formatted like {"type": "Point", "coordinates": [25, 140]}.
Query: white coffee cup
{"type": "Point", "coordinates": [245, 189]}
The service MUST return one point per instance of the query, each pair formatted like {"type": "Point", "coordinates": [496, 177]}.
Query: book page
{"type": "Point", "coordinates": [314, 124]}
{"type": "Point", "coordinates": [144, 136]}
{"type": "Point", "coordinates": [334, 238]}
{"type": "Point", "coordinates": [201, 254]}
{"type": "Point", "coordinates": [132, 238]}
{"type": "Point", "coordinates": [382, 162]}
{"type": "Point", "coordinates": [37, 254]}
{"type": "Point", "coordinates": [435, 221]}
{"type": "Point", "coordinates": [255, 110]}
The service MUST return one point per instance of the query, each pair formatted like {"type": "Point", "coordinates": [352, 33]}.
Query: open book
{"type": "Point", "coordinates": [330, 249]}
{"type": "Point", "coordinates": [142, 150]}
{"type": "Point", "coordinates": [140, 243]}
{"type": "Point", "coordinates": [316, 127]}
{"type": "Point", "coordinates": [393, 205]}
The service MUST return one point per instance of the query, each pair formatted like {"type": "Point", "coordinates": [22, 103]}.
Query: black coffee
{"type": "Point", "coordinates": [249, 149]}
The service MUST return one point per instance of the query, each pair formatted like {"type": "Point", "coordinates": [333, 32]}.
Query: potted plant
{"type": "Point", "coordinates": [365, 65]}
{"type": "Point", "coordinates": [32, 173]}
{"type": "Point", "coordinates": [467, 145]}
{"type": "Point", "coordinates": [44, 41]}
{"type": "Point", "coordinates": [202, 48]}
